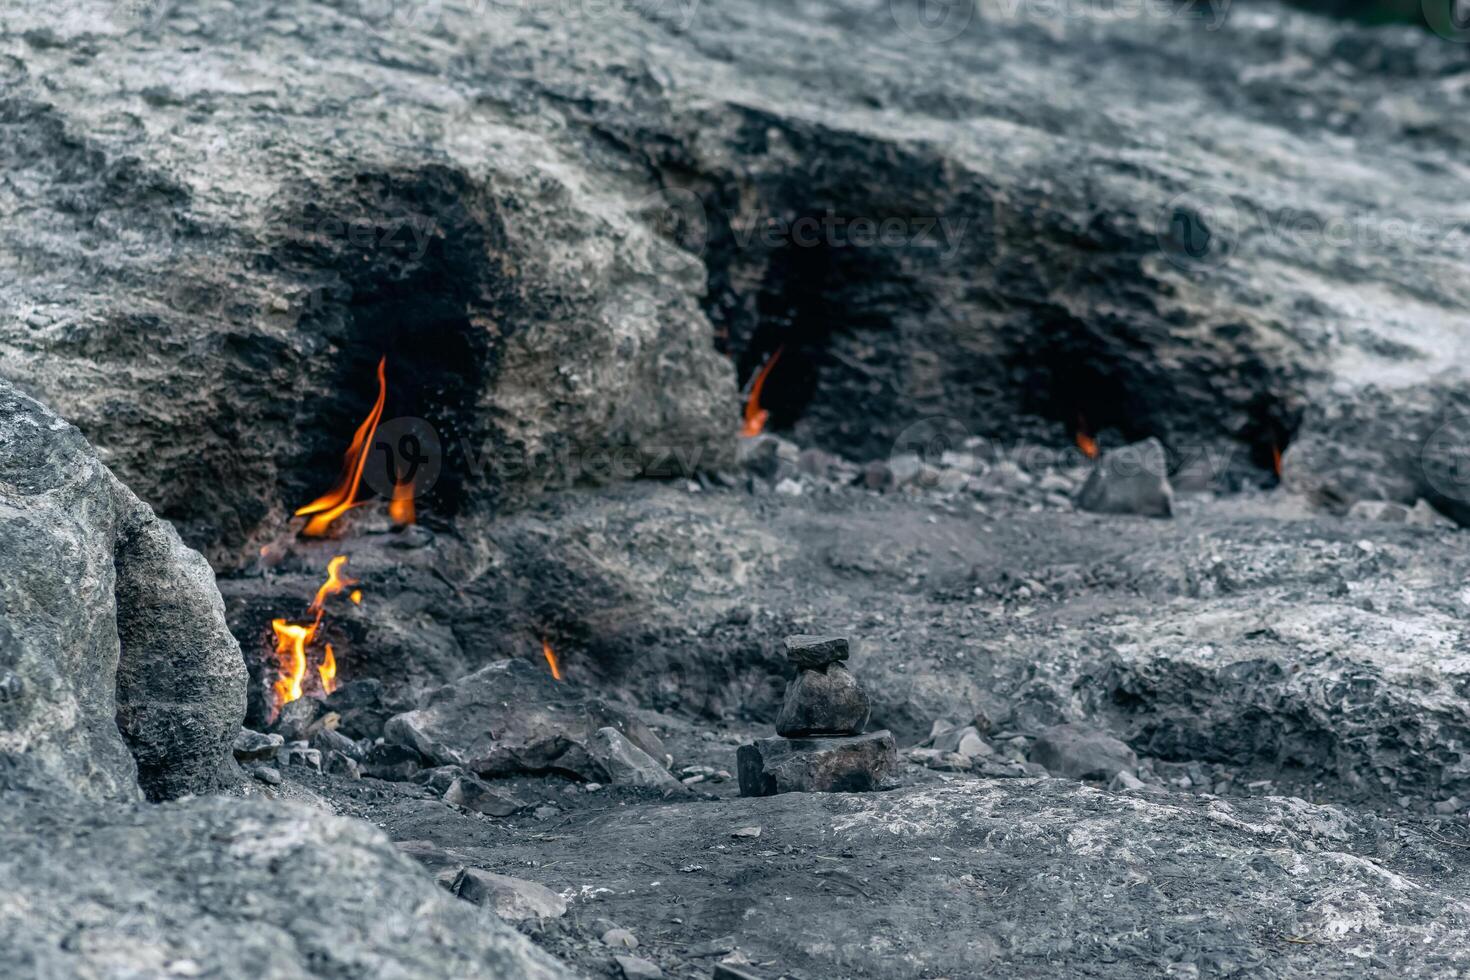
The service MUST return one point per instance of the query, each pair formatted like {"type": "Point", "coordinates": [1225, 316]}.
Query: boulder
{"type": "Point", "coordinates": [1131, 480]}
{"type": "Point", "coordinates": [1082, 753]}
{"type": "Point", "coordinates": [118, 667]}
{"type": "Point", "coordinates": [512, 899]}
{"type": "Point", "coordinates": [859, 764]}
{"type": "Point", "coordinates": [625, 764]}
{"type": "Point", "coordinates": [823, 702]}
{"type": "Point", "coordinates": [235, 889]}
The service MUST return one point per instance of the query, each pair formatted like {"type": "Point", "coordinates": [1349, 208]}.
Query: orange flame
{"type": "Point", "coordinates": [334, 584]}
{"type": "Point", "coordinates": [551, 662]}
{"type": "Point", "coordinates": [291, 640]}
{"type": "Point", "coordinates": [755, 416]}
{"type": "Point", "coordinates": [341, 498]}
{"type": "Point", "coordinates": [328, 670]}
{"type": "Point", "coordinates": [1276, 459]}
{"type": "Point", "coordinates": [400, 508]}
{"type": "Point", "coordinates": [1085, 442]}
{"type": "Point", "coordinates": [356, 597]}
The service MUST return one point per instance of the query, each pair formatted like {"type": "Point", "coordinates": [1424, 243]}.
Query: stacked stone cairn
{"type": "Point", "coordinates": [819, 745]}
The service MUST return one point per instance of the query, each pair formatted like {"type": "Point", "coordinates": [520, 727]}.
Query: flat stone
{"type": "Point", "coordinates": [337, 764]}
{"type": "Point", "coordinates": [627, 765]}
{"type": "Point", "coordinates": [637, 968]}
{"type": "Point", "coordinates": [253, 746]}
{"type": "Point", "coordinates": [1082, 753]}
{"type": "Point", "coordinates": [855, 764]}
{"type": "Point", "coordinates": [295, 721]}
{"type": "Point", "coordinates": [620, 938]}
{"type": "Point", "coordinates": [811, 652]}
{"type": "Point", "coordinates": [474, 794]}
{"type": "Point", "coordinates": [1131, 480]}
{"type": "Point", "coordinates": [823, 702]}
{"type": "Point", "coordinates": [1386, 511]}
{"type": "Point", "coordinates": [513, 899]}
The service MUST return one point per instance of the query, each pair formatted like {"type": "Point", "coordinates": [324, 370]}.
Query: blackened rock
{"type": "Point", "coordinates": [823, 702]}
{"type": "Point", "coordinates": [394, 763]}
{"type": "Point", "coordinates": [513, 899]}
{"type": "Point", "coordinates": [816, 765]}
{"type": "Point", "coordinates": [362, 707]}
{"type": "Point", "coordinates": [1130, 480]}
{"type": "Point", "coordinates": [811, 652]}
{"type": "Point", "coordinates": [338, 764]}
{"type": "Point", "coordinates": [440, 778]}
{"type": "Point", "coordinates": [625, 764]}
{"type": "Point", "coordinates": [601, 714]}
{"type": "Point", "coordinates": [475, 794]}
{"type": "Point", "coordinates": [326, 740]}
{"type": "Point", "coordinates": [1082, 753]}
{"type": "Point", "coordinates": [252, 746]}
{"type": "Point", "coordinates": [295, 721]}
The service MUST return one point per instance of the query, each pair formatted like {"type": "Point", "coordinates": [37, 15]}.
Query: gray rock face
{"type": "Point", "coordinates": [859, 764]}
{"type": "Point", "coordinates": [823, 702]}
{"type": "Point", "coordinates": [509, 718]}
{"type": "Point", "coordinates": [1130, 480]}
{"type": "Point", "coordinates": [1082, 753]}
{"type": "Point", "coordinates": [813, 652]}
{"type": "Point", "coordinates": [232, 888]}
{"type": "Point", "coordinates": [625, 764]}
{"type": "Point", "coordinates": [106, 622]}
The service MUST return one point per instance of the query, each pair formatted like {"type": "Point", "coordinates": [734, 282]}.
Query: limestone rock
{"type": "Point", "coordinates": [1131, 480]}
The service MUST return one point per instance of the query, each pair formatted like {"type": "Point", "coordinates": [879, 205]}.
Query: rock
{"type": "Point", "coordinates": [1130, 480]}
{"type": "Point", "coordinates": [729, 971]}
{"type": "Point", "coordinates": [298, 719]}
{"type": "Point", "coordinates": [812, 652]}
{"type": "Point", "coordinates": [1424, 514]}
{"type": "Point", "coordinates": [252, 746]}
{"type": "Point", "coordinates": [394, 763]}
{"type": "Point", "coordinates": [768, 456]}
{"type": "Point", "coordinates": [223, 883]}
{"type": "Point", "coordinates": [1379, 510]}
{"type": "Point", "coordinates": [362, 708]}
{"type": "Point", "coordinates": [513, 899]}
{"type": "Point", "coordinates": [816, 765]}
{"type": "Point", "coordinates": [878, 476]}
{"type": "Point", "coordinates": [299, 754]}
{"type": "Point", "coordinates": [267, 774]}
{"type": "Point", "coordinates": [637, 968]}
{"type": "Point", "coordinates": [473, 794]}
{"type": "Point", "coordinates": [117, 667]}
{"type": "Point", "coordinates": [823, 702]}
{"type": "Point", "coordinates": [326, 740]}
{"type": "Point", "coordinates": [619, 938]}
{"type": "Point", "coordinates": [963, 741]}
{"type": "Point", "coordinates": [1082, 753]}
{"type": "Point", "coordinates": [509, 718]}
{"type": "Point", "coordinates": [338, 764]}
{"type": "Point", "coordinates": [1125, 780]}
{"type": "Point", "coordinates": [627, 765]}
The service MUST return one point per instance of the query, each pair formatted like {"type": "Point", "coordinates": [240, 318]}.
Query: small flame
{"type": "Point", "coordinates": [356, 596]}
{"type": "Point", "coordinates": [1276, 459]}
{"type": "Point", "coordinates": [341, 498]}
{"type": "Point", "coordinates": [755, 416]}
{"type": "Point", "coordinates": [551, 662]}
{"type": "Point", "coordinates": [291, 640]}
{"type": "Point", "coordinates": [328, 670]}
{"type": "Point", "coordinates": [1085, 442]}
{"type": "Point", "coordinates": [334, 584]}
{"type": "Point", "coordinates": [400, 508]}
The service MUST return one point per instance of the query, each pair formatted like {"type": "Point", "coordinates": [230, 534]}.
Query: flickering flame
{"type": "Point", "coordinates": [328, 670]}
{"type": "Point", "coordinates": [550, 655]}
{"type": "Point", "coordinates": [291, 640]}
{"type": "Point", "coordinates": [755, 416]}
{"type": "Point", "coordinates": [1276, 459]}
{"type": "Point", "coordinates": [400, 508]}
{"type": "Point", "coordinates": [356, 596]}
{"type": "Point", "coordinates": [1085, 442]}
{"type": "Point", "coordinates": [342, 497]}
{"type": "Point", "coordinates": [334, 584]}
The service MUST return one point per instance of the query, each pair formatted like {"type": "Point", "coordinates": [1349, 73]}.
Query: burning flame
{"type": "Point", "coordinates": [356, 597]}
{"type": "Point", "coordinates": [400, 508]}
{"type": "Point", "coordinates": [328, 670]}
{"type": "Point", "coordinates": [341, 498]}
{"type": "Point", "coordinates": [1276, 459]}
{"type": "Point", "coordinates": [551, 662]}
{"type": "Point", "coordinates": [291, 640]}
{"type": "Point", "coordinates": [1085, 442]}
{"type": "Point", "coordinates": [755, 416]}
